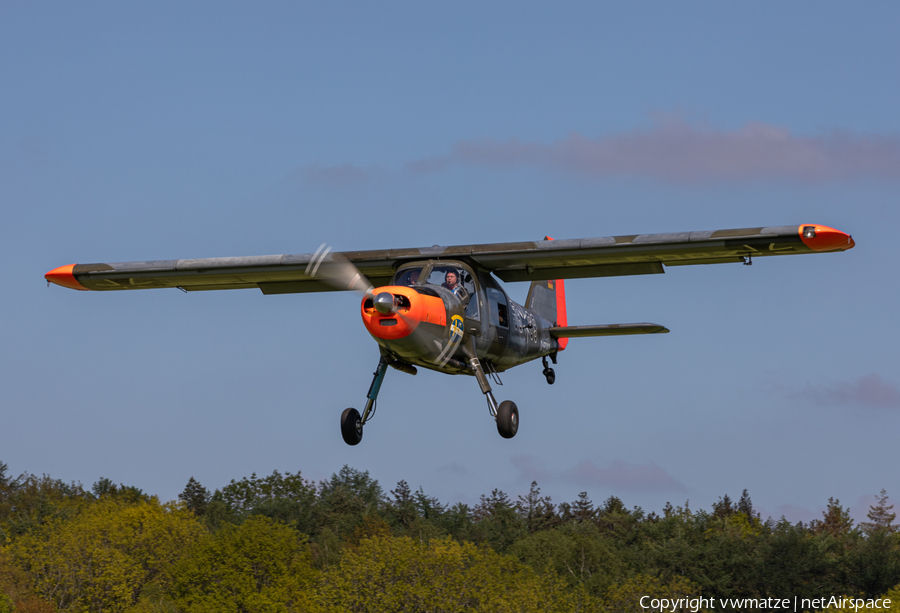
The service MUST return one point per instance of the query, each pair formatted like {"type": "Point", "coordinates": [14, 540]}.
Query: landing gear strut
{"type": "Point", "coordinates": [549, 373]}
{"type": "Point", "coordinates": [351, 421]}
{"type": "Point", "coordinates": [506, 414]}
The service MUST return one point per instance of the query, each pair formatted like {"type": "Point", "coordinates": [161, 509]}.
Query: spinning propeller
{"type": "Point", "coordinates": [336, 271]}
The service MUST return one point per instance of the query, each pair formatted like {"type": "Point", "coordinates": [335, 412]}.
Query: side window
{"type": "Point", "coordinates": [499, 309]}
{"type": "Point", "coordinates": [472, 307]}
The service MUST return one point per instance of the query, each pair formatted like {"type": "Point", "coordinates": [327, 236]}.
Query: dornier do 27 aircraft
{"type": "Point", "coordinates": [441, 308]}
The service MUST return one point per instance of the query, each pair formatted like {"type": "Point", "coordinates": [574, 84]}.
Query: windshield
{"type": "Point", "coordinates": [458, 280]}
{"type": "Point", "coordinates": [408, 276]}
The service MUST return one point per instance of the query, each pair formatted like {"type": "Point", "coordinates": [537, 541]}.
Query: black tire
{"type": "Point", "coordinates": [551, 376]}
{"type": "Point", "coordinates": [507, 419]}
{"type": "Point", "coordinates": [351, 426]}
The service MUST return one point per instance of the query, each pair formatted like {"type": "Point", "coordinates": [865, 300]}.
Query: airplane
{"type": "Point", "coordinates": [442, 308]}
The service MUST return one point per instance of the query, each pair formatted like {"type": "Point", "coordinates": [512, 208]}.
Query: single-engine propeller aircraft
{"type": "Point", "coordinates": [441, 308]}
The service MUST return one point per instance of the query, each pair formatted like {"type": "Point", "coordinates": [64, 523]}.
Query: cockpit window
{"type": "Point", "coordinates": [408, 276]}
{"type": "Point", "coordinates": [454, 278]}
{"type": "Point", "coordinates": [457, 280]}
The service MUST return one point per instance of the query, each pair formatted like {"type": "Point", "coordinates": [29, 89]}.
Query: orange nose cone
{"type": "Point", "coordinates": [823, 238]}
{"type": "Point", "coordinates": [417, 309]}
{"type": "Point", "coordinates": [63, 276]}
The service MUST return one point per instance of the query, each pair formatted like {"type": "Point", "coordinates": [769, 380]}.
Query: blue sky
{"type": "Point", "coordinates": [169, 131]}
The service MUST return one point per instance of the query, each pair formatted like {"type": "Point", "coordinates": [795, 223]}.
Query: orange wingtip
{"type": "Point", "coordinates": [823, 238]}
{"type": "Point", "coordinates": [63, 276]}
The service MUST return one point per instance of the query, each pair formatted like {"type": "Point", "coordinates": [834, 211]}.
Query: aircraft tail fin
{"type": "Point", "coordinates": [548, 299]}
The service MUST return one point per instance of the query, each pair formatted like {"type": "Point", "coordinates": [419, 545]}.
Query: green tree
{"type": "Point", "coordinates": [8, 483]}
{"type": "Point", "coordinates": [286, 497]}
{"type": "Point", "coordinates": [626, 597]}
{"type": "Point", "coordinates": [259, 565]}
{"type": "Point", "coordinates": [880, 516]}
{"type": "Point", "coordinates": [29, 502]}
{"type": "Point", "coordinates": [536, 511]}
{"type": "Point", "coordinates": [576, 552]}
{"type": "Point", "coordinates": [724, 507]}
{"type": "Point", "coordinates": [105, 488]}
{"type": "Point", "coordinates": [871, 564]}
{"type": "Point", "coordinates": [456, 521]}
{"type": "Point", "coordinates": [345, 498]}
{"type": "Point", "coordinates": [195, 497]}
{"type": "Point", "coordinates": [403, 509]}
{"type": "Point", "coordinates": [835, 520]}
{"type": "Point", "coordinates": [496, 522]}
{"type": "Point", "coordinates": [387, 575]}
{"type": "Point", "coordinates": [580, 510]}
{"type": "Point", "coordinates": [795, 562]}
{"type": "Point", "coordinates": [102, 558]}
{"type": "Point", "coordinates": [745, 506]}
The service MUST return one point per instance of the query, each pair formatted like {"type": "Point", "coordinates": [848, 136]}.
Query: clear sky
{"type": "Point", "coordinates": [132, 131]}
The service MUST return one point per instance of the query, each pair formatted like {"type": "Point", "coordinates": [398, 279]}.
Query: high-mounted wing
{"type": "Point", "coordinates": [525, 261]}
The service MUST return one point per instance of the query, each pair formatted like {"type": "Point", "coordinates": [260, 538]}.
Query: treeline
{"type": "Point", "coordinates": [284, 543]}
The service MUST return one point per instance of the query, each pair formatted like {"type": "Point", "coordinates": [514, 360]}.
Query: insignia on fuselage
{"type": "Point", "coordinates": [456, 328]}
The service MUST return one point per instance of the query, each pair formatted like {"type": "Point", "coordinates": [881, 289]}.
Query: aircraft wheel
{"type": "Point", "coordinates": [551, 375]}
{"type": "Point", "coordinates": [351, 426]}
{"type": "Point", "coordinates": [507, 419]}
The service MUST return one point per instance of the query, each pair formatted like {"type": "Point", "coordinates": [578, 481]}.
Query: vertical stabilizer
{"type": "Point", "coordinates": [548, 300]}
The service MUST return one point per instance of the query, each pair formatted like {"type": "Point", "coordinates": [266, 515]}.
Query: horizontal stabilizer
{"type": "Point", "coordinates": [607, 330]}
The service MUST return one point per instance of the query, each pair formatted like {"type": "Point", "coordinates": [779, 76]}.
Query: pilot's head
{"type": "Point", "coordinates": [414, 277]}
{"type": "Point", "coordinates": [452, 278]}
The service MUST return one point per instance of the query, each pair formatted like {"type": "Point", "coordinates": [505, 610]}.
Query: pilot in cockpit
{"type": "Point", "coordinates": [451, 282]}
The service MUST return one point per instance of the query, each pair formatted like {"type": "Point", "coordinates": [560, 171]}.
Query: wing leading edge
{"type": "Point", "coordinates": [522, 261]}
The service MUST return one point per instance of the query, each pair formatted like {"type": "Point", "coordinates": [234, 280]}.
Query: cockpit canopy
{"type": "Point", "coordinates": [455, 277]}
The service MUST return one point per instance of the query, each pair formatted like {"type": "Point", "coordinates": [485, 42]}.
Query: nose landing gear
{"type": "Point", "coordinates": [351, 426]}
{"type": "Point", "coordinates": [351, 421]}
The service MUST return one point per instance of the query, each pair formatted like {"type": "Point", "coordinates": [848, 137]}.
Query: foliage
{"type": "Point", "coordinates": [283, 543]}
{"type": "Point", "coordinates": [260, 565]}
{"type": "Point", "coordinates": [575, 552]}
{"type": "Point", "coordinates": [100, 559]}
{"type": "Point", "coordinates": [880, 516]}
{"type": "Point", "coordinates": [626, 597]}
{"type": "Point", "coordinates": [496, 522]}
{"type": "Point", "coordinates": [27, 502]}
{"type": "Point", "coordinates": [195, 497]}
{"type": "Point", "coordinates": [835, 520]}
{"type": "Point", "coordinates": [288, 497]}
{"type": "Point", "coordinates": [401, 574]}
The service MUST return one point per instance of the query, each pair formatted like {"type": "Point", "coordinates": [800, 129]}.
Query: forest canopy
{"type": "Point", "coordinates": [285, 543]}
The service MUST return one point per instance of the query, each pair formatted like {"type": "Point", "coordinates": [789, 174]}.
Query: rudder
{"type": "Point", "coordinates": [548, 300]}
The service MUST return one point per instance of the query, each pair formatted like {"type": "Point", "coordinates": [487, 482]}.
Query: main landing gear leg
{"type": "Point", "coordinates": [351, 421]}
{"type": "Point", "coordinates": [506, 414]}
